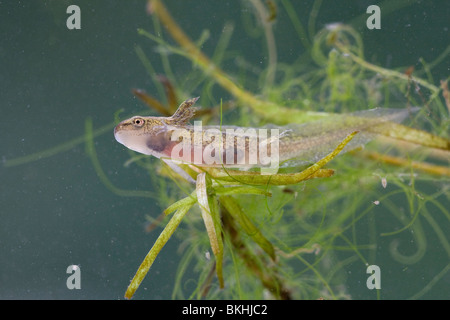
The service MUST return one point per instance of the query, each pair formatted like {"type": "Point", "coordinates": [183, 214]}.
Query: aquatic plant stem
{"type": "Point", "coordinates": [423, 166]}
{"type": "Point", "coordinates": [279, 114]}
{"type": "Point", "coordinates": [66, 146]}
{"type": "Point", "coordinates": [211, 218]}
{"type": "Point", "coordinates": [238, 215]}
{"type": "Point", "coordinates": [259, 266]}
{"type": "Point", "coordinates": [270, 41]}
{"type": "Point", "coordinates": [261, 107]}
{"type": "Point", "coordinates": [383, 71]}
{"type": "Point", "coordinates": [154, 251]}
{"type": "Point", "coordinates": [195, 54]}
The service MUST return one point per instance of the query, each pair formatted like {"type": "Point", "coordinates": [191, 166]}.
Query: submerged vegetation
{"type": "Point", "coordinates": [272, 238]}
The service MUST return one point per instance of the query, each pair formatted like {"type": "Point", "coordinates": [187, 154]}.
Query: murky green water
{"type": "Point", "coordinates": [56, 212]}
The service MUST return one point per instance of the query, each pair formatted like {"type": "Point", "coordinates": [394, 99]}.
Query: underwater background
{"type": "Point", "coordinates": [56, 212]}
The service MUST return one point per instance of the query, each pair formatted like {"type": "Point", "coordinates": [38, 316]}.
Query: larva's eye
{"type": "Point", "coordinates": [138, 122]}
